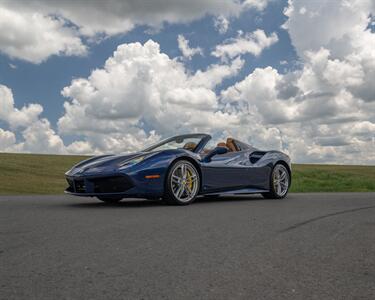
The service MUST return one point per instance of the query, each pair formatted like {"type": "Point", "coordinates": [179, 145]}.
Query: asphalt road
{"type": "Point", "coordinates": [308, 246]}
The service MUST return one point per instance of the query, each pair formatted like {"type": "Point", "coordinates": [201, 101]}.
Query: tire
{"type": "Point", "coordinates": [110, 199]}
{"type": "Point", "coordinates": [279, 183]}
{"type": "Point", "coordinates": [182, 184]}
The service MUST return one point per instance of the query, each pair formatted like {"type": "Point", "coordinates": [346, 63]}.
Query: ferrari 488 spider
{"type": "Point", "coordinates": [181, 168]}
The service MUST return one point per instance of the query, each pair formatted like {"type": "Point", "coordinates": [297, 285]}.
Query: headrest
{"type": "Point", "coordinates": [231, 144]}
{"type": "Point", "coordinates": [190, 146]}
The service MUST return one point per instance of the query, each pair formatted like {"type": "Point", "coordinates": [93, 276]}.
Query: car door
{"type": "Point", "coordinates": [226, 172]}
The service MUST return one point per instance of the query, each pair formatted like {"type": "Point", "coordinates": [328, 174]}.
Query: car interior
{"type": "Point", "coordinates": [230, 144]}
{"type": "Point", "coordinates": [189, 146]}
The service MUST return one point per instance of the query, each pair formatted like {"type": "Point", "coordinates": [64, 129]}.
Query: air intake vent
{"type": "Point", "coordinates": [255, 156]}
{"type": "Point", "coordinates": [114, 184]}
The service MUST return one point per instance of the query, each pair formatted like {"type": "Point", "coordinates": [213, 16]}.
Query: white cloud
{"type": "Point", "coordinates": [221, 24]}
{"type": "Point", "coordinates": [320, 121]}
{"type": "Point", "coordinates": [140, 87]}
{"type": "Point", "coordinates": [40, 138]}
{"type": "Point", "coordinates": [119, 16]}
{"type": "Point", "coordinates": [253, 43]}
{"type": "Point", "coordinates": [306, 113]}
{"type": "Point", "coordinates": [321, 112]}
{"type": "Point", "coordinates": [13, 116]}
{"type": "Point", "coordinates": [325, 111]}
{"type": "Point", "coordinates": [7, 140]}
{"type": "Point", "coordinates": [186, 50]}
{"type": "Point", "coordinates": [35, 30]}
{"type": "Point", "coordinates": [257, 4]}
{"type": "Point", "coordinates": [34, 37]}
{"type": "Point", "coordinates": [259, 92]}
{"type": "Point", "coordinates": [337, 26]}
{"type": "Point", "coordinates": [80, 148]}
{"type": "Point", "coordinates": [214, 74]}
{"type": "Point", "coordinates": [37, 133]}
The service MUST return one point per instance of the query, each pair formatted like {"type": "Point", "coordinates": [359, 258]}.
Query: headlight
{"type": "Point", "coordinates": [132, 162]}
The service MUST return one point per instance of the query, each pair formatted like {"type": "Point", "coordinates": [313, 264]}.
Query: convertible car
{"type": "Point", "coordinates": [181, 168]}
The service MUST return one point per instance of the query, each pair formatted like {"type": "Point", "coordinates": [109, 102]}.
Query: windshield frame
{"type": "Point", "coordinates": [204, 138]}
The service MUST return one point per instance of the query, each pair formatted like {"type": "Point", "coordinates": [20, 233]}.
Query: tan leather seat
{"type": "Point", "coordinates": [231, 145]}
{"type": "Point", "coordinates": [222, 144]}
{"type": "Point", "coordinates": [190, 146]}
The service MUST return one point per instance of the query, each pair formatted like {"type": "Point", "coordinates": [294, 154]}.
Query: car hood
{"type": "Point", "coordinates": [103, 163]}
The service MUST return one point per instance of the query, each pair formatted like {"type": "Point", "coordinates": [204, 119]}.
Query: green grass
{"type": "Point", "coordinates": [34, 173]}
{"type": "Point", "coordinates": [333, 178]}
{"type": "Point", "coordinates": [44, 174]}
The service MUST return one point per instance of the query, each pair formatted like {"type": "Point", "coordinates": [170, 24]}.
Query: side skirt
{"type": "Point", "coordinates": [238, 192]}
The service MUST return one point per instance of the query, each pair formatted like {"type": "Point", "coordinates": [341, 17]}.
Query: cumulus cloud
{"type": "Point", "coordinates": [80, 148]}
{"type": "Point", "coordinates": [7, 140]}
{"type": "Point", "coordinates": [34, 37]}
{"type": "Point", "coordinates": [306, 113]}
{"type": "Point", "coordinates": [118, 16]}
{"type": "Point", "coordinates": [345, 35]}
{"type": "Point", "coordinates": [13, 116]}
{"type": "Point", "coordinates": [38, 136]}
{"type": "Point", "coordinates": [221, 24]}
{"type": "Point", "coordinates": [35, 30]}
{"type": "Point", "coordinates": [318, 122]}
{"type": "Point", "coordinates": [339, 26]}
{"type": "Point", "coordinates": [253, 43]}
{"type": "Point", "coordinates": [324, 112]}
{"type": "Point", "coordinates": [321, 112]}
{"type": "Point", "coordinates": [186, 50]}
{"type": "Point", "coordinates": [257, 4]}
{"type": "Point", "coordinates": [139, 87]}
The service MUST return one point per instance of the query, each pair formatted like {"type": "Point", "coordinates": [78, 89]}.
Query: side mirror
{"type": "Point", "coordinates": [216, 151]}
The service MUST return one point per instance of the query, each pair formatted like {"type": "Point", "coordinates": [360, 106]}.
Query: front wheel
{"type": "Point", "coordinates": [279, 183]}
{"type": "Point", "coordinates": [182, 185]}
{"type": "Point", "coordinates": [110, 199]}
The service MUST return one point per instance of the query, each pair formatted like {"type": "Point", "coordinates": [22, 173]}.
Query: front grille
{"type": "Point", "coordinates": [113, 184]}
{"type": "Point", "coordinates": [79, 186]}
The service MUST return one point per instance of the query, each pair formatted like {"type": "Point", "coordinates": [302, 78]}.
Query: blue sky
{"type": "Point", "coordinates": [287, 78]}
{"type": "Point", "coordinates": [42, 83]}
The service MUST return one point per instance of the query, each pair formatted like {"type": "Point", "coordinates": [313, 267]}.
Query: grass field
{"type": "Point", "coordinates": [44, 174]}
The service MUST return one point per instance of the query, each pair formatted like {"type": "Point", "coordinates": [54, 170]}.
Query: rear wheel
{"type": "Point", "coordinates": [110, 199]}
{"type": "Point", "coordinates": [279, 183]}
{"type": "Point", "coordinates": [182, 185]}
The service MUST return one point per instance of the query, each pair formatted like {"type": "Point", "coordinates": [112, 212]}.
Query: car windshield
{"type": "Point", "coordinates": [188, 142]}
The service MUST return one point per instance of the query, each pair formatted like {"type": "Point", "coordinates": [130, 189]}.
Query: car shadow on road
{"type": "Point", "coordinates": [229, 198]}
{"type": "Point", "coordinates": [134, 203]}
{"type": "Point", "coordinates": [124, 203]}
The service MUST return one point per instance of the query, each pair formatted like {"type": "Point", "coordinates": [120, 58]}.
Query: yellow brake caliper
{"type": "Point", "coordinates": [189, 181]}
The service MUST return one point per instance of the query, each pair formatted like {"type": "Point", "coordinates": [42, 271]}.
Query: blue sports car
{"type": "Point", "coordinates": [180, 168]}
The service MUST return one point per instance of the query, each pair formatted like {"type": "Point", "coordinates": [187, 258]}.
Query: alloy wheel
{"type": "Point", "coordinates": [280, 180]}
{"type": "Point", "coordinates": [184, 182]}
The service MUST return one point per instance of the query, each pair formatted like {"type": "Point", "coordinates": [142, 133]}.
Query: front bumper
{"type": "Point", "coordinates": [131, 184]}
{"type": "Point", "coordinates": [99, 185]}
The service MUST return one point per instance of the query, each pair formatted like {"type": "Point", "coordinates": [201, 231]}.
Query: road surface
{"type": "Point", "coordinates": [308, 246]}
